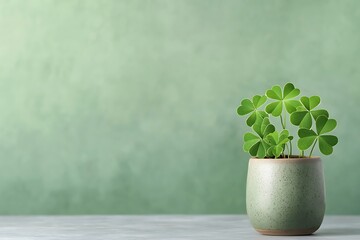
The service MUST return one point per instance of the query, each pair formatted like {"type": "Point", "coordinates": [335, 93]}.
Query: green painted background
{"type": "Point", "coordinates": [128, 107]}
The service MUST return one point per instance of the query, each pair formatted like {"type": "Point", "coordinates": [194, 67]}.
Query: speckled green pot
{"type": "Point", "coordinates": [285, 196]}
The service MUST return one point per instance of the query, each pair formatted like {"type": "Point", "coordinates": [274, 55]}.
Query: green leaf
{"type": "Point", "coordinates": [274, 93]}
{"type": "Point", "coordinates": [301, 108]}
{"type": "Point", "coordinates": [314, 101]}
{"type": "Point", "coordinates": [324, 147]}
{"type": "Point", "coordinates": [278, 110]}
{"type": "Point", "coordinates": [330, 139]}
{"type": "Point", "coordinates": [290, 91]}
{"type": "Point", "coordinates": [250, 136]}
{"type": "Point", "coordinates": [303, 115]}
{"type": "Point", "coordinates": [284, 137]}
{"type": "Point", "coordinates": [261, 114]}
{"type": "Point", "coordinates": [297, 117]}
{"type": "Point", "coordinates": [306, 102]}
{"type": "Point", "coordinates": [317, 113]}
{"type": "Point", "coordinates": [269, 129]}
{"type": "Point", "coordinates": [273, 138]}
{"type": "Point", "coordinates": [291, 105]}
{"type": "Point", "coordinates": [301, 118]}
{"type": "Point", "coordinates": [306, 122]}
{"type": "Point", "coordinates": [256, 116]}
{"type": "Point", "coordinates": [245, 107]}
{"type": "Point", "coordinates": [261, 153]}
{"type": "Point", "coordinates": [277, 150]}
{"type": "Point", "coordinates": [264, 123]}
{"type": "Point", "coordinates": [307, 138]}
{"type": "Point", "coordinates": [326, 142]}
{"type": "Point", "coordinates": [258, 150]}
{"type": "Point", "coordinates": [263, 127]}
{"type": "Point", "coordinates": [306, 142]}
{"type": "Point", "coordinates": [282, 98]}
{"type": "Point", "coordinates": [324, 124]}
{"type": "Point", "coordinates": [256, 145]}
{"type": "Point", "coordinates": [257, 128]}
{"type": "Point", "coordinates": [251, 119]}
{"type": "Point", "coordinates": [276, 142]}
{"type": "Point", "coordinates": [250, 140]}
{"type": "Point", "coordinates": [258, 100]}
{"type": "Point", "coordinates": [274, 108]}
{"type": "Point", "coordinates": [303, 132]}
{"type": "Point", "coordinates": [254, 149]}
{"type": "Point", "coordinates": [310, 103]}
{"type": "Point", "coordinates": [269, 151]}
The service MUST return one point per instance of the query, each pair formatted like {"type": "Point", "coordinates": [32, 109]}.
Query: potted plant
{"type": "Point", "coordinates": [285, 193]}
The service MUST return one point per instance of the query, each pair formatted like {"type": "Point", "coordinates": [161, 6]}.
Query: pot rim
{"type": "Point", "coordinates": [291, 159]}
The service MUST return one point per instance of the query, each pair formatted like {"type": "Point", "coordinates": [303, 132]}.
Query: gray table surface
{"type": "Point", "coordinates": [158, 227]}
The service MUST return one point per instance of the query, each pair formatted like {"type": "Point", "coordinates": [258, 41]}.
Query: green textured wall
{"type": "Point", "coordinates": [129, 106]}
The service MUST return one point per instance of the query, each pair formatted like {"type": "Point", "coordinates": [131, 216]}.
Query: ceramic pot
{"type": "Point", "coordinates": [285, 196]}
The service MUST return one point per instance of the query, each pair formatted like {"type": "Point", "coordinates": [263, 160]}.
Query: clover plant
{"type": "Point", "coordinates": [265, 141]}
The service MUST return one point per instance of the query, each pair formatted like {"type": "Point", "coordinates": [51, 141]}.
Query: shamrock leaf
{"type": "Point", "coordinates": [247, 106]}
{"type": "Point", "coordinates": [326, 142]}
{"type": "Point", "coordinates": [303, 115]}
{"type": "Point", "coordinates": [284, 97]}
{"type": "Point", "coordinates": [277, 142]}
{"type": "Point", "coordinates": [255, 144]}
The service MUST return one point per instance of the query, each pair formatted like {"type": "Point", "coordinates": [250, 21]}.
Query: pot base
{"type": "Point", "coordinates": [291, 232]}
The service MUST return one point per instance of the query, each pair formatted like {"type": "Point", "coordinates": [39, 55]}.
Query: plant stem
{"type": "Point", "coordinates": [312, 149]}
{"type": "Point", "coordinates": [282, 123]}
{"type": "Point", "coordinates": [283, 153]}
{"type": "Point", "coordinates": [290, 152]}
{"type": "Point", "coordinates": [287, 146]}
{"type": "Point", "coordinates": [302, 153]}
